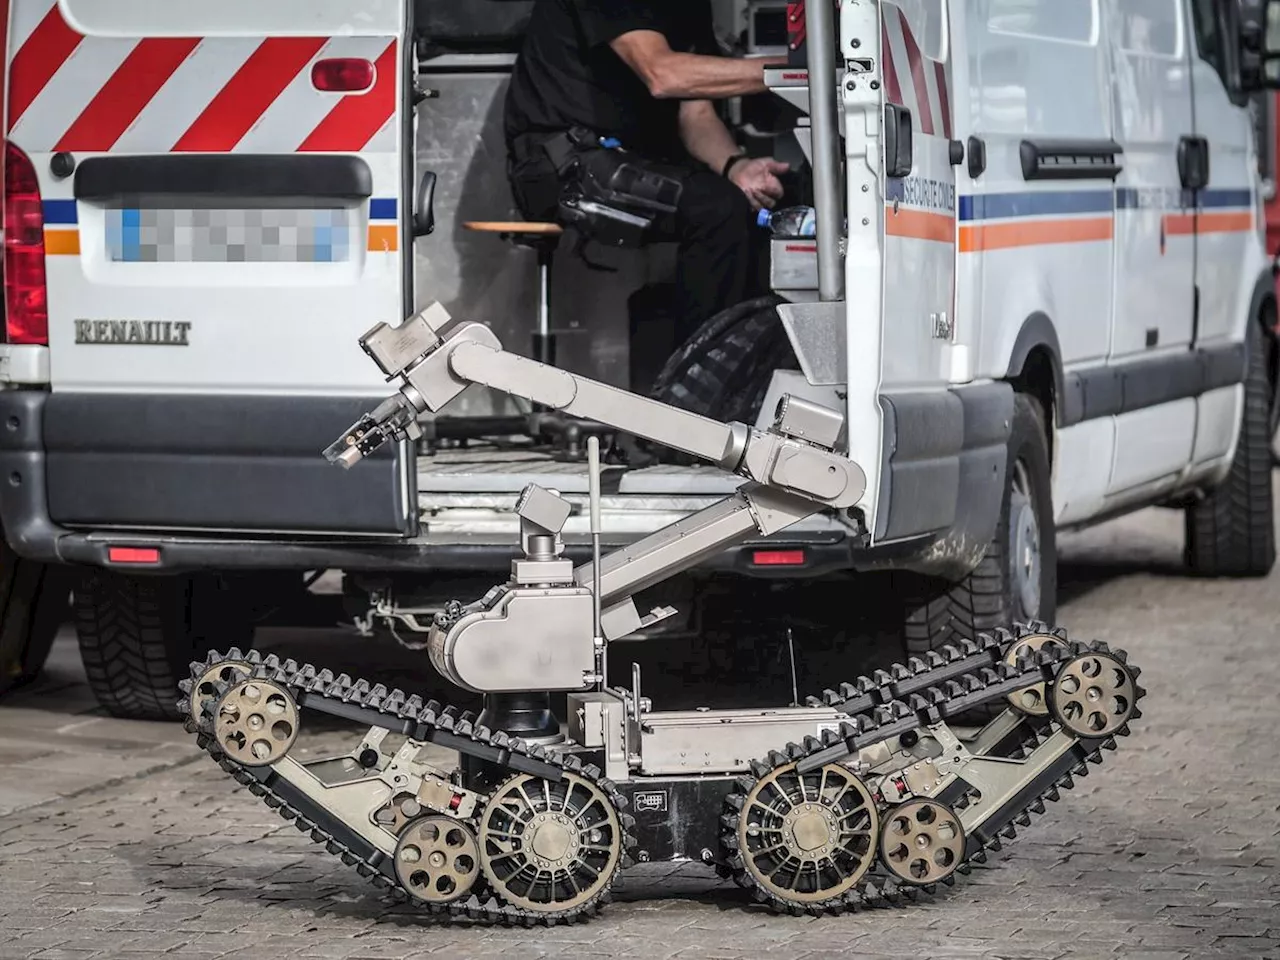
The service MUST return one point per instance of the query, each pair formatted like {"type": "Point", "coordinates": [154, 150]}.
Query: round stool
{"type": "Point", "coordinates": [542, 238]}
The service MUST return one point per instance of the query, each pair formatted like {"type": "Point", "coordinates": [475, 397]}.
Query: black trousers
{"type": "Point", "coordinates": [719, 262]}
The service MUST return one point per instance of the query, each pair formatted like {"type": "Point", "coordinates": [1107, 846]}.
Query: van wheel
{"type": "Point", "coordinates": [138, 636]}
{"type": "Point", "coordinates": [35, 600]}
{"type": "Point", "coordinates": [1017, 580]}
{"type": "Point", "coordinates": [1231, 532]}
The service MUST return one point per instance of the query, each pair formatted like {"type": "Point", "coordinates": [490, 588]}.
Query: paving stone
{"type": "Point", "coordinates": [1166, 851]}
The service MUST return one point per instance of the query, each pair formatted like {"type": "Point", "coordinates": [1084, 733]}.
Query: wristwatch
{"type": "Point", "coordinates": [729, 164]}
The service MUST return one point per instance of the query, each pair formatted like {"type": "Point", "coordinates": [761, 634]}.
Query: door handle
{"type": "Point", "coordinates": [424, 206]}
{"type": "Point", "coordinates": [1193, 162]}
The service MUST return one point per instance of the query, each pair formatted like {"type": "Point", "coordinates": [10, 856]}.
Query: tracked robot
{"type": "Point", "coordinates": [875, 790]}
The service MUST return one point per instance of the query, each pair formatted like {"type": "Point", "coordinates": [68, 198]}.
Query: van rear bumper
{"type": "Point", "coordinates": [177, 554]}
{"type": "Point", "coordinates": [82, 475]}
{"type": "Point", "coordinates": [922, 470]}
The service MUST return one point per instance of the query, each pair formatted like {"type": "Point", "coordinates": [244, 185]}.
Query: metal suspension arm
{"type": "Point", "coordinates": [437, 357]}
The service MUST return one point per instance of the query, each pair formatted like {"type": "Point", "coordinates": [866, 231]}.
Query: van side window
{"type": "Point", "coordinates": [1075, 21]}
{"type": "Point", "coordinates": [1150, 27]}
{"type": "Point", "coordinates": [1209, 36]}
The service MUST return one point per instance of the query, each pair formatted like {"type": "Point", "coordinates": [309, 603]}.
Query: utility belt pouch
{"type": "Point", "coordinates": [562, 152]}
{"type": "Point", "coordinates": [610, 195]}
{"type": "Point", "coordinates": [605, 224]}
{"type": "Point", "coordinates": [622, 180]}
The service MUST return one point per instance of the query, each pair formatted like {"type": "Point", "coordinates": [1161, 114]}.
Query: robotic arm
{"type": "Point", "coordinates": [437, 357]}
{"type": "Point", "coordinates": [538, 631]}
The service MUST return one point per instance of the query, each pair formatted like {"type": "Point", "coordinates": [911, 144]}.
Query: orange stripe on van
{"type": "Point", "coordinates": [1189, 224]}
{"type": "Point", "coordinates": [62, 243]}
{"type": "Point", "coordinates": [1005, 236]}
{"type": "Point", "coordinates": [384, 238]}
{"type": "Point", "coordinates": [1224, 222]}
{"type": "Point", "coordinates": [920, 225]}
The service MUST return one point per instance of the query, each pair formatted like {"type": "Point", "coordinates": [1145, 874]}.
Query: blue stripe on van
{"type": "Point", "coordinates": [1045, 203]}
{"type": "Point", "coordinates": [59, 211]}
{"type": "Point", "coordinates": [1175, 198]}
{"type": "Point", "coordinates": [1218, 199]}
{"type": "Point", "coordinates": [382, 208]}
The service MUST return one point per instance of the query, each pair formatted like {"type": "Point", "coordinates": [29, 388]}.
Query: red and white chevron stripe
{"type": "Point", "coordinates": [207, 95]}
{"type": "Point", "coordinates": [911, 78]}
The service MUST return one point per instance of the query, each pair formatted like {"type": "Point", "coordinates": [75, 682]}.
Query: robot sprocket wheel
{"type": "Point", "coordinates": [806, 840]}
{"type": "Point", "coordinates": [551, 847]}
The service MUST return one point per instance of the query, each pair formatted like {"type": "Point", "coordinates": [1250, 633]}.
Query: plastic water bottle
{"type": "Point", "coordinates": [790, 221]}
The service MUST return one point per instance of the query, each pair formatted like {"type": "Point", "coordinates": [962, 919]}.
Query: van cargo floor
{"type": "Point", "coordinates": [470, 494]}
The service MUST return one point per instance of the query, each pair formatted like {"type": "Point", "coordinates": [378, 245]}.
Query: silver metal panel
{"type": "Point", "coordinates": [476, 276]}
{"type": "Point", "coordinates": [672, 549]}
{"type": "Point", "coordinates": [539, 505]}
{"type": "Point", "coordinates": [394, 349]}
{"type": "Point", "coordinates": [809, 421]}
{"type": "Point", "coordinates": [497, 471]}
{"type": "Point", "coordinates": [620, 620]}
{"type": "Point", "coordinates": [531, 640]}
{"type": "Point", "coordinates": [530, 572]}
{"type": "Point", "coordinates": [791, 84]}
{"type": "Point", "coordinates": [793, 264]}
{"type": "Point", "coordinates": [673, 480]}
{"type": "Point", "coordinates": [598, 720]}
{"type": "Point", "coordinates": [583, 396]}
{"type": "Point", "coordinates": [724, 741]}
{"type": "Point", "coordinates": [351, 803]}
{"type": "Point", "coordinates": [481, 527]}
{"type": "Point", "coordinates": [796, 384]}
{"type": "Point", "coordinates": [471, 61]}
{"type": "Point", "coordinates": [818, 336]}
{"type": "Point", "coordinates": [998, 779]}
{"type": "Point", "coordinates": [777, 510]}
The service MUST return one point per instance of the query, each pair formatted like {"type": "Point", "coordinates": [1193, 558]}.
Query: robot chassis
{"type": "Point", "coordinates": [872, 791]}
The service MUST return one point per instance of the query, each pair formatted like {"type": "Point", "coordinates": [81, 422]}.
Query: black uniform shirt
{"type": "Point", "coordinates": [567, 74]}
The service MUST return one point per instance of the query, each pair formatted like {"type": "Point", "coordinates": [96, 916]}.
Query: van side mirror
{"type": "Point", "coordinates": [1258, 40]}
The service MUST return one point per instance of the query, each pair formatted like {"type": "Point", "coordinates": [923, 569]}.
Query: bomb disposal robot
{"type": "Point", "coordinates": [869, 791]}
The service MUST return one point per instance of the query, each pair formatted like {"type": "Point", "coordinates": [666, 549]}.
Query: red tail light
{"type": "Point", "coordinates": [778, 558]}
{"type": "Point", "coordinates": [26, 292]}
{"type": "Point", "coordinates": [342, 75]}
{"type": "Point", "coordinates": [133, 555]}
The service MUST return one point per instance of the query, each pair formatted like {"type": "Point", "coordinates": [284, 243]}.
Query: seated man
{"type": "Point", "coordinates": [644, 72]}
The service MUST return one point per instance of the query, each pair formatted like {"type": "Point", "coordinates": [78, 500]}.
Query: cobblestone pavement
{"type": "Point", "coordinates": [118, 840]}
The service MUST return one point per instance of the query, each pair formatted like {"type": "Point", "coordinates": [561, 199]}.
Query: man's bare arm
{"type": "Point", "coordinates": [704, 134]}
{"type": "Point", "coordinates": [705, 137]}
{"type": "Point", "coordinates": [688, 76]}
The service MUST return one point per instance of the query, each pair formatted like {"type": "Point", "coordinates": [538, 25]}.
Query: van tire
{"type": "Point", "coordinates": [995, 594]}
{"type": "Point", "coordinates": [138, 636]}
{"type": "Point", "coordinates": [1231, 531]}
{"type": "Point", "coordinates": [35, 601]}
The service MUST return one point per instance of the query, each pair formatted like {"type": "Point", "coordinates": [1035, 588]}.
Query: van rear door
{"type": "Point", "coordinates": [222, 189]}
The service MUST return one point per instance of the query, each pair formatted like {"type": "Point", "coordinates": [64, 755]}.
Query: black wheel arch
{"type": "Point", "coordinates": [1263, 300]}
{"type": "Point", "coordinates": [1035, 368]}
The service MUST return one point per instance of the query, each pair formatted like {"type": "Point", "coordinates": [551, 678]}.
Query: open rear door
{"type": "Point", "coordinates": [889, 343]}
{"type": "Point", "coordinates": [224, 188]}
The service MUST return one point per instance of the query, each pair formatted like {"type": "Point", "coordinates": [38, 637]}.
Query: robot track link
{"type": "Point", "coordinates": [887, 803]}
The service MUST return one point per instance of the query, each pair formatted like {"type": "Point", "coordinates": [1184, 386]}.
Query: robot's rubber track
{"type": "Point", "coordinates": [427, 721]}
{"type": "Point", "coordinates": [883, 716]}
{"type": "Point", "coordinates": [883, 706]}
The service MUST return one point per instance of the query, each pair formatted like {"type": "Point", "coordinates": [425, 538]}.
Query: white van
{"type": "Point", "coordinates": [1050, 304]}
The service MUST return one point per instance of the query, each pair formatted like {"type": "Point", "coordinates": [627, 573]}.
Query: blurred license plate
{"type": "Point", "coordinates": [213, 235]}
